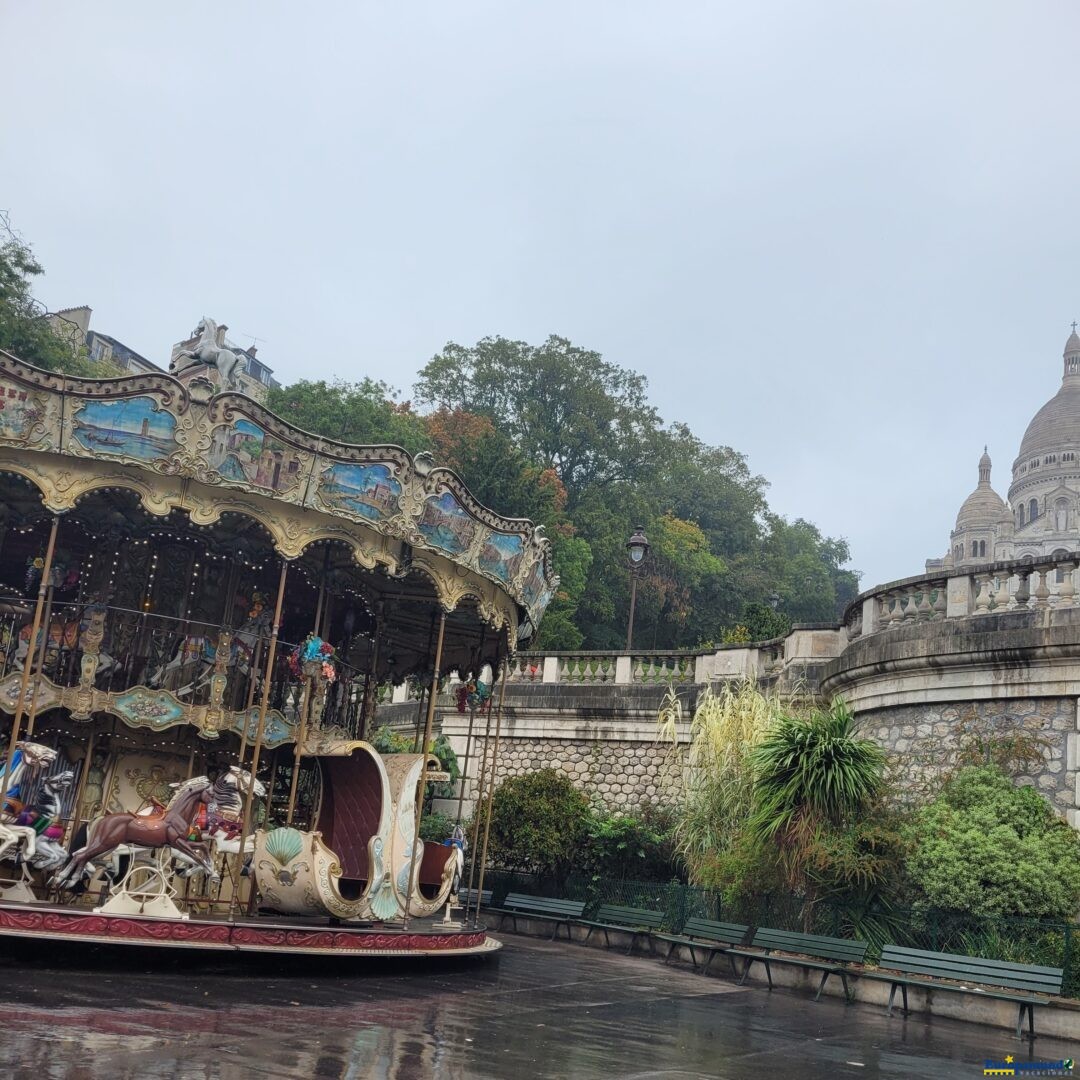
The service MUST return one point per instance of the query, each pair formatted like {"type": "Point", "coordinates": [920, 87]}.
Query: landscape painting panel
{"type": "Point", "coordinates": [446, 525]}
{"type": "Point", "coordinates": [501, 556]}
{"type": "Point", "coordinates": [132, 428]}
{"type": "Point", "coordinates": [19, 412]}
{"type": "Point", "coordinates": [247, 454]}
{"type": "Point", "coordinates": [369, 491]}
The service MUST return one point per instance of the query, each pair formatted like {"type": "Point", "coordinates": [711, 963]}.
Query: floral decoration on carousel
{"type": "Point", "coordinates": [315, 658]}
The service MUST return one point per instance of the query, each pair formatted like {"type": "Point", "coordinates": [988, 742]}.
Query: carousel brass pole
{"type": "Point", "coordinates": [421, 711]}
{"type": "Point", "coordinates": [465, 764]}
{"type": "Point", "coordinates": [16, 723]}
{"type": "Point", "coordinates": [433, 693]}
{"type": "Point", "coordinates": [264, 701]}
{"type": "Point", "coordinates": [491, 792]}
{"type": "Point", "coordinates": [46, 622]}
{"type": "Point", "coordinates": [474, 845]}
{"type": "Point", "coordinates": [371, 685]}
{"type": "Point", "coordinates": [298, 748]}
{"type": "Point", "coordinates": [80, 788]}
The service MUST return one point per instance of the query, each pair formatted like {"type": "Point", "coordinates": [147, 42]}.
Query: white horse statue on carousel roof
{"type": "Point", "coordinates": [210, 349]}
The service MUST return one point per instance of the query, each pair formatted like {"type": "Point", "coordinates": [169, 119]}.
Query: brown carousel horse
{"type": "Point", "coordinates": [167, 828]}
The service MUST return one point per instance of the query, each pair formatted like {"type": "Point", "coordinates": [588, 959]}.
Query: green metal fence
{"type": "Point", "coordinates": [1019, 940]}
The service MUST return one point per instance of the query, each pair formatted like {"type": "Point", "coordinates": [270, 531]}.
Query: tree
{"type": "Point", "coordinates": [25, 329]}
{"type": "Point", "coordinates": [539, 823]}
{"type": "Point", "coordinates": [986, 847]}
{"type": "Point", "coordinates": [567, 408]}
{"type": "Point", "coordinates": [350, 412]}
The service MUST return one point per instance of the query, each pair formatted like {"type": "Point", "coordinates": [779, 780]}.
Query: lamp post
{"type": "Point", "coordinates": [637, 549]}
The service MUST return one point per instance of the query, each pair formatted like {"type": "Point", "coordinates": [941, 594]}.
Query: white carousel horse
{"type": "Point", "coordinates": [201, 649]}
{"type": "Point", "coordinates": [208, 350]}
{"type": "Point", "coordinates": [51, 854]}
{"type": "Point", "coordinates": [28, 758]}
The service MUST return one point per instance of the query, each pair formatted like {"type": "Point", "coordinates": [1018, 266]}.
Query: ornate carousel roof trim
{"type": "Point", "coordinates": [157, 424]}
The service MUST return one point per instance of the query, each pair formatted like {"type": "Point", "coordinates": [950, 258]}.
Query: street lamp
{"type": "Point", "coordinates": [637, 549]}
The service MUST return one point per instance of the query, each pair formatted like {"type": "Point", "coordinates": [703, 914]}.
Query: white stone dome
{"type": "Point", "coordinates": [1056, 426]}
{"type": "Point", "coordinates": [984, 506]}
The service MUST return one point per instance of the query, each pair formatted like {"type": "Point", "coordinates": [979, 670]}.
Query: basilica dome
{"type": "Point", "coordinates": [984, 506]}
{"type": "Point", "coordinates": [1056, 426]}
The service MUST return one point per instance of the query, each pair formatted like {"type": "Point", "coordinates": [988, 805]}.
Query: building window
{"type": "Point", "coordinates": [1020, 516]}
{"type": "Point", "coordinates": [1033, 509]}
{"type": "Point", "coordinates": [1061, 515]}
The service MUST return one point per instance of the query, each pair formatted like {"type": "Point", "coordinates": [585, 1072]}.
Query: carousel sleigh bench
{"type": "Point", "coordinates": [637, 922]}
{"type": "Point", "coordinates": [542, 909]}
{"type": "Point", "coordinates": [709, 936]}
{"type": "Point", "coordinates": [829, 955]}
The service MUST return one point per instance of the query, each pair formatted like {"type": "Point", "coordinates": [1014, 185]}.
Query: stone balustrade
{"type": "Point", "coordinates": [601, 668]}
{"type": "Point", "coordinates": [1045, 583]}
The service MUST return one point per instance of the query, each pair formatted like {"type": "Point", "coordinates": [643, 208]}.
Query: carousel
{"type": "Point", "coordinates": [201, 607]}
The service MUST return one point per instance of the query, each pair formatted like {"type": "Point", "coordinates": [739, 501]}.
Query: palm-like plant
{"type": "Point", "coordinates": [811, 774]}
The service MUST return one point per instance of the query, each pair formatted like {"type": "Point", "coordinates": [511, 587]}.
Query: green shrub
{"type": "Point", "coordinates": [436, 826]}
{"type": "Point", "coordinates": [632, 847]}
{"type": "Point", "coordinates": [987, 847]}
{"type": "Point", "coordinates": [539, 824]}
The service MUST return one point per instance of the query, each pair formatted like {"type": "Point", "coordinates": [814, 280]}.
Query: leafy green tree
{"type": "Point", "coordinates": [351, 412]}
{"type": "Point", "coordinates": [539, 823]}
{"type": "Point", "coordinates": [567, 408]}
{"type": "Point", "coordinates": [986, 847]}
{"type": "Point", "coordinates": [25, 329]}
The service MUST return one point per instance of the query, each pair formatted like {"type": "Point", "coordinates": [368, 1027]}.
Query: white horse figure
{"type": "Point", "coordinates": [200, 650]}
{"type": "Point", "coordinates": [209, 350]}
{"type": "Point", "coordinates": [15, 840]}
{"type": "Point", "coordinates": [51, 854]}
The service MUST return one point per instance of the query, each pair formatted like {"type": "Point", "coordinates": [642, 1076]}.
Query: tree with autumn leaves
{"type": "Point", "coordinates": [558, 434]}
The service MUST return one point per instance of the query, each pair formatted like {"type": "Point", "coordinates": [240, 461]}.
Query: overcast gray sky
{"type": "Point", "coordinates": [838, 236]}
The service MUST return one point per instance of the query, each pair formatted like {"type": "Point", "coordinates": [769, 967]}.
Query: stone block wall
{"type": "Point", "coordinates": [924, 742]}
{"type": "Point", "coordinates": [622, 774]}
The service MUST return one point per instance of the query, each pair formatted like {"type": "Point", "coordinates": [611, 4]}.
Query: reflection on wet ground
{"type": "Point", "coordinates": [539, 1010]}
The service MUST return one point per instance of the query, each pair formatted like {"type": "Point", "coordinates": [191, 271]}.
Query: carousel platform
{"type": "Point", "coordinates": [265, 934]}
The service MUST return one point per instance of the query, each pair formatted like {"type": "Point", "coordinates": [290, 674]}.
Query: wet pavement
{"type": "Point", "coordinates": [538, 1010]}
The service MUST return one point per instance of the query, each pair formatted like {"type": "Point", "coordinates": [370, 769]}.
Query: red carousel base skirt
{"type": "Point", "coordinates": [266, 935]}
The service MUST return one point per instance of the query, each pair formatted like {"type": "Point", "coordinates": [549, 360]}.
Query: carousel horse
{"type": "Point", "coordinates": [63, 634]}
{"type": "Point", "coordinates": [201, 650]}
{"type": "Point", "coordinates": [208, 350]}
{"type": "Point", "coordinates": [28, 759]}
{"type": "Point", "coordinates": [167, 827]}
{"type": "Point", "coordinates": [50, 853]}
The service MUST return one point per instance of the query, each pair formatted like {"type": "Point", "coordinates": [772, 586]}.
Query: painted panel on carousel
{"type": "Point", "coordinates": [446, 525]}
{"type": "Point", "coordinates": [22, 414]}
{"type": "Point", "coordinates": [129, 428]}
{"type": "Point", "coordinates": [501, 556]}
{"type": "Point", "coordinates": [276, 729]}
{"type": "Point", "coordinates": [366, 491]}
{"type": "Point", "coordinates": [156, 709]}
{"type": "Point", "coordinates": [245, 453]}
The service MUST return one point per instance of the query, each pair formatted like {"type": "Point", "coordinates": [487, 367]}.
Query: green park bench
{"type": "Point", "coordinates": [1024, 984]}
{"type": "Point", "coordinates": [467, 898]}
{"type": "Point", "coordinates": [829, 955]}
{"type": "Point", "coordinates": [707, 935]}
{"type": "Point", "coordinates": [543, 908]}
{"type": "Point", "coordinates": [637, 922]}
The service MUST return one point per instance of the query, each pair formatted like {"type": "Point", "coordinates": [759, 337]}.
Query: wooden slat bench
{"type": "Point", "coordinates": [707, 935]}
{"type": "Point", "coordinates": [543, 908]}
{"type": "Point", "coordinates": [829, 955]}
{"type": "Point", "coordinates": [637, 922]}
{"type": "Point", "coordinates": [467, 897]}
{"type": "Point", "coordinates": [1025, 984]}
